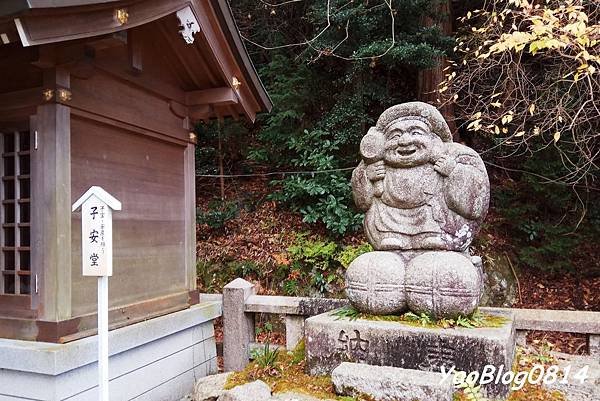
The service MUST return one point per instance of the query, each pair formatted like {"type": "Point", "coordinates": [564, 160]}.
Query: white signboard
{"type": "Point", "coordinates": [96, 234]}
{"type": "Point", "coordinates": [96, 257]}
{"type": "Point", "coordinates": [96, 231]}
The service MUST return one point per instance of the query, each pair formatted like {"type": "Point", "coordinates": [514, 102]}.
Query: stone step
{"type": "Point", "coordinates": [385, 383]}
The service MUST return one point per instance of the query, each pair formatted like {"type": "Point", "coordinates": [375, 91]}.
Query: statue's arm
{"type": "Point", "coordinates": [362, 188]}
{"type": "Point", "coordinates": [467, 187]}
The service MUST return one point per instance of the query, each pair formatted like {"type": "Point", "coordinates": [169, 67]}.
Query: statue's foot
{"type": "Point", "coordinates": [445, 284]}
{"type": "Point", "coordinates": [375, 283]}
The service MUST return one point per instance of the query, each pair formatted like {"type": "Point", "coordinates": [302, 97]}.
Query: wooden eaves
{"type": "Point", "coordinates": [219, 52]}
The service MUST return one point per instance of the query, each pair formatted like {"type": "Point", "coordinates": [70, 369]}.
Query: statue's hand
{"type": "Point", "coordinates": [376, 171]}
{"type": "Point", "coordinates": [445, 165]}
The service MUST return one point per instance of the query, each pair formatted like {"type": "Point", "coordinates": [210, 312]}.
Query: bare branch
{"type": "Point", "coordinates": [331, 52]}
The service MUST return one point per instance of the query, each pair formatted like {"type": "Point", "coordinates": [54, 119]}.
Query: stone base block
{"type": "Point", "coordinates": [384, 383]}
{"type": "Point", "coordinates": [331, 341]}
{"type": "Point", "coordinates": [155, 360]}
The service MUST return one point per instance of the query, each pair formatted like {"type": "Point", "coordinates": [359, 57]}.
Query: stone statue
{"type": "Point", "coordinates": [425, 198]}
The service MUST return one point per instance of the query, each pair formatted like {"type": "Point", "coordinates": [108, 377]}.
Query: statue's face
{"type": "Point", "coordinates": [409, 143]}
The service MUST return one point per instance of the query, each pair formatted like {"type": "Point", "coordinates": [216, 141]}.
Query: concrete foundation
{"type": "Point", "coordinates": [156, 360]}
{"type": "Point", "coordinates": [330, 342]}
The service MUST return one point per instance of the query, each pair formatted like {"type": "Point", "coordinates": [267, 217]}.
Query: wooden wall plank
{"type": "Point", "coordinates": [21, 99]}
{"type": "Point", "coordinates": [149, 82]}
{"type": "Point", "coordinates": [149, 234]}
{"type": "Point", "coordinates": [114, 99]}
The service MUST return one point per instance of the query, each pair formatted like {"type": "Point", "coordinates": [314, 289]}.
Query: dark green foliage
{"type": "Point", "coordinates": [218, 214]}
{"type": "Point", "coordinates": [549, 222]}
{"type": "Point", "coordinates": [234, 151]}
{"type": "Point", "coordinates": [323, 104]}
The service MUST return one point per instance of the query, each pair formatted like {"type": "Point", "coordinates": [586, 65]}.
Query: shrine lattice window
{"type": "Point", "coordinates": [15, 187]}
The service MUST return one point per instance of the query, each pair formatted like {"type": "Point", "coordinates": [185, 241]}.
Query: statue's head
{"type": "Point", "coordinates": [406, 135]}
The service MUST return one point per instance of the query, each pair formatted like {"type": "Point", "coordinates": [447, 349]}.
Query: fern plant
{"type": "Point", "coordinates": [469, 386]}
{"type": "Point", "coordinates": [422, 318]}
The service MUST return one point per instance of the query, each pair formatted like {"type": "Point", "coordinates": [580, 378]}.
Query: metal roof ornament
{"type": "Point", "coordinates": [189, 24]}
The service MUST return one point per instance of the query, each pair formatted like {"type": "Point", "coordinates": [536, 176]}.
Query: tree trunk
{"type": "Point", "coordinates": [221, 170]}
{"type": "Point", "coordinates": [429, 80]}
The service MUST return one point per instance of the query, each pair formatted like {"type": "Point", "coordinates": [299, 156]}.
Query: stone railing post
{"type": "Point", "coordinates": [595, 345]}
{"type": "Point", "coordinates": [294, 331]}
{"type": "Point", "coordinates": [521, 338]}
{"type": "Point", "coordinates": [238, 326]}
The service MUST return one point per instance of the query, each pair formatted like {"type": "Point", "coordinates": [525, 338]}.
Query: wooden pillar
{"type": "Point", "coordinates": [190, 215]}
{"type": "Point", "coordinates": [51, 202]}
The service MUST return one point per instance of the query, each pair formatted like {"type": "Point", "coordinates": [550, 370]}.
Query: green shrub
{"type": "Point", "coordinates": [350, 252]}
{"type": "Point", "coordinates": [213, 276]}
{"type": "Point", "coordinates": [324, 198]}
{"type": "Point", "coordinates": [218, 213]}
{"type": "Point", "coordinates": [548, 222]}
{"type": "Point", "coordinates": [308, 128]}
{"type": "Point", "coordinates": [291, 287]}
{"type": "Point", "coordinates": [320, 263]}
{"type": "Point", "coordinates": [314, 258]}
{"type": "Point", "coordinates": [318, 254]}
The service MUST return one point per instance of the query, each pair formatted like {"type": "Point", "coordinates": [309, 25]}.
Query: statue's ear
{"type": "Point", "coordinates": [372, 145]}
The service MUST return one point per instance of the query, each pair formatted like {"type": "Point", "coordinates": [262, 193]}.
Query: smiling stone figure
{"type": "Point", "coordinates": [419, 189]}
{"type": "Point", "coordinates": [425, 198]}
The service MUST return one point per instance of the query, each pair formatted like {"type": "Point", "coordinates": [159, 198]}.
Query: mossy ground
{"type": "Point", "coordinates": [529, 392]}
{"type": "Point", "coordinates": [288, 374]}
{"type": "Point", "coordinates": [525, 360]}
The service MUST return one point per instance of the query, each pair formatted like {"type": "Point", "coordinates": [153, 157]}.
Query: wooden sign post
{"type": "Point", "coordinates": [96, 256]}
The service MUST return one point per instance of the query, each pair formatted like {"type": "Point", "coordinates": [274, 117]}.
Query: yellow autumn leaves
{"type": "Point", "coordinates": [541, 28]}
{"type": "Point", "coordinates": [506, 34]}
{"type": "Point", "coordinates": [562, 28]}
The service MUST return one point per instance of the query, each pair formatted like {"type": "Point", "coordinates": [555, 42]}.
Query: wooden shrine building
{"type": "Point", "coordinates": [107, 93]}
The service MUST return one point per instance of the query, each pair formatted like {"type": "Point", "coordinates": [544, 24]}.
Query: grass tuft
{"type": "Point", "coordinates": [476, 320]}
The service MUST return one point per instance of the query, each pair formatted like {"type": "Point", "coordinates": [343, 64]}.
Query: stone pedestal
{"type": "Point", "coordinates": [330, 342]}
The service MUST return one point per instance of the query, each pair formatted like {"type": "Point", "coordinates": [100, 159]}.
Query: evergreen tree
{"type": "Point", "coordinates": [331, 67]}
